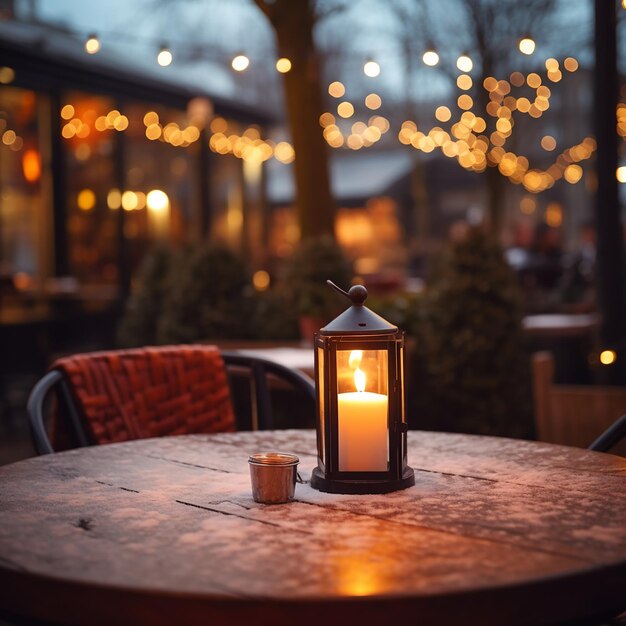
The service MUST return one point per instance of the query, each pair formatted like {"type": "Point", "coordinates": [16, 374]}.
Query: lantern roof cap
{"type": "Point", "coordinates": [358, 319]}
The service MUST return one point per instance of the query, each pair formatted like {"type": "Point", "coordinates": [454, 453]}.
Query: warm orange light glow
{"type": "Point", "coordinates": [31, 165]}
{"type": "Point", "coordinates": [9, 137]}
{"type": "Point", "coordinates": [355, 358]}
{"type": "Point", "coordinates": [517, 79]}
{"type": "Point", "coordinates": [345, 109]}
{"type": "Point", "coordinates": [554, 214]}
{"type": "Point", "coordinates": [114, 199]}
{"type": "Point", "coordinates": [336, 89]}
{"type": "Point", "coordinates": [573, 173]}
{"type": "Point", "coordinates": [608, 357]}
{"type": "Point", "coordinates": [373, 101]}
{"type": "Point", "coordinates": [548, 143]}
{"type": "Point", "coordinates": [571, 64]}
{"type": "Point", "coordinates": [533, 80]}
{"type": "Point", "coordinates": [283, 65]}
{"type": "Point", "coordinates": [67, 112]}
{"type": "Point", "coordinates": [86, 200]}
{"type": "Point", "coordinates": [465, 102]}
{"type": "Point", "coordinates": [92, 44]}
{"type": "Point", "coordinates": [7, 75]}
{"type": "Point", "coordinates": [359, 380]}
{"type": "Point", "coordinates": [528, 205]}
{"type": "Point", "coordinates": [284, 152]}
{"type": "Point", "coordinates": [443, 114]}
{"type": "Point", "coordinates": [464, 82]}
{"type": "Point", "coordinates": [129, 200]}
{"type": "Point", "coordinates": [261, 280]}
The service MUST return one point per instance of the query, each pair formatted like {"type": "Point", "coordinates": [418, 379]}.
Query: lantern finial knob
{"type": "Point", "coordinates": [356, 293]}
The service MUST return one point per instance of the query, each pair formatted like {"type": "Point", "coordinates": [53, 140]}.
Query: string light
{"type": "Point", "coordinates": [92, 44]}
{"type": "Point", "coordinates": [527, 45]}
{"type": "Point", "coordinates": [371, 69]}
{"type": "Point", "coordinates": [464, 63]}
{"type": "Point", "coordinates": [240, 63]}
{"type": "Point", "coordinates": [164, 58]}
{"type": "Point", "coordinates": [430, 57]}
{"type": "Point", "coordinates": [283, 65]}
{"type": "Point", "coordinates": [608, 357]}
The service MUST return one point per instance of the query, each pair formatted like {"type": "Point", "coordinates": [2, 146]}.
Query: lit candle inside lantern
{"type": "Point", "coordinates": [362, 417]}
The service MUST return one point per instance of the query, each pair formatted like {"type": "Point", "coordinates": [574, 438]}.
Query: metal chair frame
{"type": "Point", "coordinates": [612, 435]}
{"type": "Point", "coordinates": [259, 370]}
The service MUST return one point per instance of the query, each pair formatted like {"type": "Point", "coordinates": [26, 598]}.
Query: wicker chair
{"type": "Point", "coordinates": [106, 397]}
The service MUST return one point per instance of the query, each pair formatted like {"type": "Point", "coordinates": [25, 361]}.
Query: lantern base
{"type": "Point", "coordinates": [321, 483]}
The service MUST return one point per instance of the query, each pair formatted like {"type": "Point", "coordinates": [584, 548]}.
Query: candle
{"type": "Point", "coordinates": [362, 417]}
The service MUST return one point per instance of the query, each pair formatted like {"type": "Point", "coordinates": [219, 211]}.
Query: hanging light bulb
{"type": "Point", "coordinates": [527, 45]}
{"type": "Point", "coordinates": [283, 65]}
{"type": "Point", "coordinates": [371, 69]}
{"type": "Point", "coordinates": [240, 63]}
{"type": "Point", "coordinates": [430, 57]}
{"type": "Point", "coordinates": [164, 58]}
{"type": "Point", "coordinates": [92, 44]}
{"type": "Point", "coordinates": [464, 63]}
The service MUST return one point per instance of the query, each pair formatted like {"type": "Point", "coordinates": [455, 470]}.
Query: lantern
{"type": "Point", "coordinates": [361, 425]}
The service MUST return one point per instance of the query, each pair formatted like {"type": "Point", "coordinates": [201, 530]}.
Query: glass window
{"type": "Point", "coordinates": [362, 410]}
{"type": "Point", "coordinates": [162, 149]}
{"type": "Point", "coordinates": [23, 201]}
{"type": "Point", "coordinates": [89, 127]}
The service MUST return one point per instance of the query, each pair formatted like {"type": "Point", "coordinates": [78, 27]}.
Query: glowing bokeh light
{"type": "Point", "coordinates": [92, 44]}
{"type": "Point", "coordinates": [527, 45]}
{"type": "Point", "coordinates": [464, 63]}
{"type": "Point", "coordinates": [371, 69]}
{"type": "Point", "coordinates": [164, 57]}
{"type": "Point", "coordinates": [430, 58]}
{"type": "Point", "coordinates": [240, 63]}
{"type": "Point", "coordinates": [283, 65]}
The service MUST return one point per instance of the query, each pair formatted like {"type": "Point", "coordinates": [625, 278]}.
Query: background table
{"type": "Point", "coordinates": [164, 531]}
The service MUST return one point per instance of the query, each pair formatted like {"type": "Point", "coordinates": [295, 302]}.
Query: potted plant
{"type": "Point", "coordinates": [208, 296]}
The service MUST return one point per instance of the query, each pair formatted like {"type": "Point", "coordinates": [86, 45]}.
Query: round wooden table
{"type": "Point", "coordinates": [165, 531]}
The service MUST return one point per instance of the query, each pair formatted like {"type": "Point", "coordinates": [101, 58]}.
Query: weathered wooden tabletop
{"type": "Point", "coordinates": [165, 531]}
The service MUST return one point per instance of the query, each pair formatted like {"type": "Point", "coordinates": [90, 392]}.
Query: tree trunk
{"type": "Point", "coordinates": [495, 180]}
{"type": "Point", "coordinates": [293, 22]}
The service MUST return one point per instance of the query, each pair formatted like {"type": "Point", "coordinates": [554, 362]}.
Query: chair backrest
{"type": "Point", "coordinates": [573, 415]}
{"type": "Point", "coordinates": [128, 394]}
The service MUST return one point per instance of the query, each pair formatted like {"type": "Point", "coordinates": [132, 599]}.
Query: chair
{"type": "Point", "coordinates": [103, 397]}
{"type": "Point", "coordinates": [577, 415]}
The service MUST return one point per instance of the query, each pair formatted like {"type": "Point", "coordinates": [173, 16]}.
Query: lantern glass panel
{"type": "Point", "coordinates": [320, 400]}
{"type": "Point", "coordinates": [362, 410]}
{"type": "Point", "coordinates": [402, 378]}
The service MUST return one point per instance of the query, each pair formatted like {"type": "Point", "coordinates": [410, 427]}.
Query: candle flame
{"type": "Point", "coordinates": [359, 380]}
{"type": "Point", "coordinates": [355, 358]}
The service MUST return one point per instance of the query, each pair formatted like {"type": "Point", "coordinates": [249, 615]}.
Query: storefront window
{"type": "Point", "coordinates": [23, 201]}
{"type": "Point", "coordinates": [89, 127]}
{"type": "Point", "coordinates": [161, 152]}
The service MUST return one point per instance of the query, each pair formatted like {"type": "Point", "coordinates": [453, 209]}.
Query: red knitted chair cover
{"type": "Point", "coordinates": [148, 392]}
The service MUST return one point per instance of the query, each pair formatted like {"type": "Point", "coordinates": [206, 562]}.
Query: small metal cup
{"type": "Point", "coordinates": [273, 476]}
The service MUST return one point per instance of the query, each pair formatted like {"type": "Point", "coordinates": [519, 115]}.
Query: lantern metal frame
{"type": "Point", "coordinates": [379, 335]}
